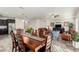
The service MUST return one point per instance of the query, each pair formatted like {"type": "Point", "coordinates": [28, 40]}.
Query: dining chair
{"type": "Point", "coordinates": [48, 43]}
{"type": "Point", "coordinates": [14, 42]}
{"type": "Point", "coordinates": [21, 46]}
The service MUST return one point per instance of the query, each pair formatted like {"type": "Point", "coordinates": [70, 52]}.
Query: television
{"type": "Point", "coordinates": [58, 26]}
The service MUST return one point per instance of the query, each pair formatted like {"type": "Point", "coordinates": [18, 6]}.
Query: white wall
{"type": "Point", "coordinates": [77, 22]}
{"type": "Point", "coordinates": [38, 23]}
{"type": "Point", "coordinates": [61, 19]}
{"type": "Point", "coordinates": [19, 23]}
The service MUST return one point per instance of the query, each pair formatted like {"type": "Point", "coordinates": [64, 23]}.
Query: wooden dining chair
{"type": "Point", "coordinates": [21, 46]}
{"type": "Point", "coordinates": [48, 43]}
{"type": "Point", "coordinates": [14, 42]}
{"type": "Point", "coordinates": [19, 37]}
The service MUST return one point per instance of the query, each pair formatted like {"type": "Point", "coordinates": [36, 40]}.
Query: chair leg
{"type": "Point", "coordinates": [15, 49]}
{"type": "Point", "coordinates": [50, 49]}
{"type": "Point", "coordinates": [12, 48]}
{"type": "Point", "coordinates": [18, 48]}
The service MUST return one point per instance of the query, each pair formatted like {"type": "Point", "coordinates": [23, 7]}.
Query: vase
{"type": "Point", "coordinates": [75, 44]}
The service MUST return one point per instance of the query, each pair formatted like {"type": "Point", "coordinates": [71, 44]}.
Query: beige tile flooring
{"type": "Point", "coordinates": [63, 46]}
{"type": "Point", "coordinates": [57, 46]}
{"type": "Point", "coordinates": [5, 43]}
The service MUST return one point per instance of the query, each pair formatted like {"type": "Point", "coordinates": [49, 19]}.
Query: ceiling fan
{"type": "Point", "coordinates": [53, 16]}
{"type": "Point", "coordinates": [1, 15]}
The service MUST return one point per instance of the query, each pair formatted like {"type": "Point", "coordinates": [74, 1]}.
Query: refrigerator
{"type": "Point", "coordinates": [11, 27]}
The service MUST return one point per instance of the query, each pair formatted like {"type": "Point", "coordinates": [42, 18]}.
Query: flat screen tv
{"type": "Point", "coordinates": [58, 26]}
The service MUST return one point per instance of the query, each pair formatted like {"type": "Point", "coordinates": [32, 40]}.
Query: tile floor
{"type": "Point", "coordinates": [63, 46]}
{"type": "Point", "coordinates": [5, 43]}
{"type": "Point", "coordinates": [57, 46]}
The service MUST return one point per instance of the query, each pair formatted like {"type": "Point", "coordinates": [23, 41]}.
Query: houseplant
{"type": "Point", "coordinates": [29, 30]}
{"type": "Point", "coordinates": [76, 40]}
{"type": "Point", "coordinates": [70, 25]}
{"type": "Point", "coordinates": [71, 28]}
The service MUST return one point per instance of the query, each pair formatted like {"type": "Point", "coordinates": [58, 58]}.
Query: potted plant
{"type": "Point", "coordinates": [70, 25]}
{"type": "Point", "coordinates": [76, 40]}
{"type": "Point", "coordinates": [71, 29]}
{"type": "Point", "coordinates": [29, 30]}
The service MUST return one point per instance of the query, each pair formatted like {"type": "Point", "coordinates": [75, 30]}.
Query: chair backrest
{"type": "Point", "coordinates": [13, 36]}
{"type": "Point", "coordinates": [20, 42]}
{"type": "Point", "coordinates": [19, 31]}
{"type": "Point", "coordinates": [34, 32]}
{"type": "Point", "coordinates": [19, 35]}
{"type": "Point", "coordinates": [42, 32]}
{"type": "Point", "coordinates": [48, 42]}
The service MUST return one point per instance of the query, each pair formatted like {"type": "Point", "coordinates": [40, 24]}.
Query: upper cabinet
{"type": "Point", "coordinates": [11, 20]}
{"type": "Point", "coordinates": [3, 22]}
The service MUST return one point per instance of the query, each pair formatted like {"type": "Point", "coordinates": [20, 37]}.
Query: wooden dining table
{"type": "Point", "coordinates": [34, 43]}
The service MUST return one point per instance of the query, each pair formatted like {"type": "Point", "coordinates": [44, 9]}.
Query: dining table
{"type": "Point", "coordinates": [34, 43]}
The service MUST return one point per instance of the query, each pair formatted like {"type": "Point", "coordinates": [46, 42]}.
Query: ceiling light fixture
{"type": "Point", "coordinates": [21, 7]}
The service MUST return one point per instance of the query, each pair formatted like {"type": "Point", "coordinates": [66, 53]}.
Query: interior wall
{"type": "Point", "coordinates": [38, 23]}
{"type": "Point", "coordinates": [41, 23]}
{"type": "Point", "coordinates": [19, 23]}
{"type": "Point", "coordinates": [77, 22]}
{"type": "Point", "coordinates": [62, 20]}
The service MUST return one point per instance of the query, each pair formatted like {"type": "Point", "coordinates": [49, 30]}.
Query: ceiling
{"type": "Point", "coordinates": [37, 12]}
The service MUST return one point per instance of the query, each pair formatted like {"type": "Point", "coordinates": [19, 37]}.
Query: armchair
{"type": "Point", "coordinates": [66, 36]}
